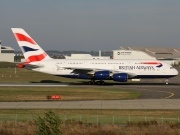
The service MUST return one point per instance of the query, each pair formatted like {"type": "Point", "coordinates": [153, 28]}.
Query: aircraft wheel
{"type": "Point", "coordinates": [102, 82]}
{"type": "Point", "coordinates": [91, 82]}
{"type": "Point", "coordinates": [98, 82]}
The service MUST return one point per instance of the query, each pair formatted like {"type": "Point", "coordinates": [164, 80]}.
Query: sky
{"type": "Point", "coordinates": [92, 25]}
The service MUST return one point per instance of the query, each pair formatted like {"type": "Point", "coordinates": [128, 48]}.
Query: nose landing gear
{"type": "Point", "coordinates": [167, 81]}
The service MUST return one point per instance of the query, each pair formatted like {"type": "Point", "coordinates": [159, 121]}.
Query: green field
{"type": "Point", "coordinates": [66, 93]}
{"type": "Point", "coordinates": [16, 75]}
{"type": "Point", "coordinates": [94, 116]}
{"type": "Point", "coordinates": [9, 73]}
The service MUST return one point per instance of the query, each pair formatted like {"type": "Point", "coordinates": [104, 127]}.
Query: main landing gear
{"type": "Point", "coordinates": [92, 82]}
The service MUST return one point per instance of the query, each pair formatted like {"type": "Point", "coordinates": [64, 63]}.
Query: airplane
{"type": "Point", "coordinates": [96, 71]}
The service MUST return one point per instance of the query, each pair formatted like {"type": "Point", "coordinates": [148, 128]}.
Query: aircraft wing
{"type": "Point", "coordinates": [77, 70]}
{"type": "Point", "coordinates": [90, 71]}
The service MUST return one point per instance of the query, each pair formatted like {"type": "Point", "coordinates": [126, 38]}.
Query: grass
{"type": "Point", "coordinates": [88, 124]}
{"type": "Point", "coordinates": [9, 73]}
{"type": "Point", "coordinates": [96, 112]}
{"type": "Point", "coordinates": [78, 128]}
{"type": "Point", "coordinates": [66, 93]}
{"type": "Point", "coordinates": [104, 116]}
{"type": "Point", "coordinates": [16, 75]}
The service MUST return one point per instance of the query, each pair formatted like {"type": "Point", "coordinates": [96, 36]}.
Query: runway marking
{"type": "Point", "coordinates": [171, 94]}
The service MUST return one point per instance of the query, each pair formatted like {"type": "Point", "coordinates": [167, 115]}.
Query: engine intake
{"type": "Point", "coordinates": [120, 77]}
{"type": "Point", "coordinates": [102, 75]}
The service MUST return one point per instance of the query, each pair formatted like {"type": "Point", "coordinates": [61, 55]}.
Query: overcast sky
{"type": "Point", "coordinates": [92, 24]}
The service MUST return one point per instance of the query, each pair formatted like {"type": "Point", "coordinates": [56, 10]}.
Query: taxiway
{"type": "Point", "coordinates": [155, 104]}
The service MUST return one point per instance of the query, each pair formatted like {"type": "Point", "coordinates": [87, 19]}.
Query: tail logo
{"type": "Point", "coordinates": [32, 58]}
{"type": "Point", "coordinates": [31, 50]}
{"type": "Point", "coordinates": [153, 63]}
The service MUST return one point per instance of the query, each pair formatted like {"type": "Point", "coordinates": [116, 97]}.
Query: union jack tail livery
{"type": "Point", "coordinates": [31, 50]}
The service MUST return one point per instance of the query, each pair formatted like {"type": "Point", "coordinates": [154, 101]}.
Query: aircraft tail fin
{"type": "Point", "coordinates": [31, 50]}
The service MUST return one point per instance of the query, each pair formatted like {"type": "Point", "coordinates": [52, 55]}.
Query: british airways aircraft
{"type": "Point", "coordinates": [96, 71]}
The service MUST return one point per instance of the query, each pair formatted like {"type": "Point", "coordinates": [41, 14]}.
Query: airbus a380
{"type": "Point", "coordinates": [96, 71]}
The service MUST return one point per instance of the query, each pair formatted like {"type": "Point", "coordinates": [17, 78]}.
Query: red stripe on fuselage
{"type": "Point", "coordinates": [21, 37]}
{"type": "Point", "coordinates": [150, 63]}
{"type": "Point", "coordinates": [36, 57]}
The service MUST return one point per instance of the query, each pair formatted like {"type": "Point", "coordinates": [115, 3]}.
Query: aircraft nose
{"type": "Point", "coordinates": [175, 72]}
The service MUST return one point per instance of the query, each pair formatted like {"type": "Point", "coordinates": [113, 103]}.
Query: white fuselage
{"type": "Point", "coordinates": [134, 68]}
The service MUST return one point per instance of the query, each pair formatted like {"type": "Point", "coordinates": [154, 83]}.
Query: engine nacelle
{"type": "Point", "coordinates": [120, 77]}
{"type": "Point", "coordinates": [102, 75]}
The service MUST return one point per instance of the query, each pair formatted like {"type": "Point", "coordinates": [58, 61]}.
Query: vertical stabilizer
{"type": "Point", "coordinates": [31, 50]}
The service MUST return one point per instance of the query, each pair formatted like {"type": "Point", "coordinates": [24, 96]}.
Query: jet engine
{"type": "Point", "coordinates": [120, 77]}
{"type": "Point", "coordinates": [101, 75]}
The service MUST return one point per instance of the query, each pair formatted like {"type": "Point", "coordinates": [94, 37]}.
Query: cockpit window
{"type": "Point", "coordinates": [171, 67]}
